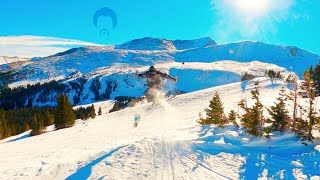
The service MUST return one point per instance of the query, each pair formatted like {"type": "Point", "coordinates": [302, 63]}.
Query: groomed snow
{"type": "Point", "coordinates": [167, 144]}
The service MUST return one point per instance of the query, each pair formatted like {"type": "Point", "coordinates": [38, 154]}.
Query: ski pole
{"type": "Point", "coordinates": [180, 69]}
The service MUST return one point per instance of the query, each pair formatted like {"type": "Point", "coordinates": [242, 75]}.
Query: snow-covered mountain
{"type": "Point", "coordinates": [8, 63]}
{"type": "Point", "coordinates": [8, 60]}
{"type": "Point", "coordinates": [163, 44]}
{"type": "Point", "coordinates": [167, 144]}
{"type": "Point", "coordinates": [112, 67]}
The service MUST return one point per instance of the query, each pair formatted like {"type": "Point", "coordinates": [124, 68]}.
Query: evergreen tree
{"type": "Point", "coordinates": [37, 125]}
{"type": "Point", "coordinates": [203, 121]}
{"type": "Point", "coordinates": [272, 74]}
{"type": "Point", "coordinates": [22, 119]}
{"type": "Point", "coordinates": [100, 111]}
{"type": "Point", "coordinates": [59, 120]}
{"type": "Point", "coordinates": [292, 78]}
{"type": "Point", "coordinates": [232, 118]}
{"type": "Point", "coordinates": [81, 113]}
{"type": "Point", "coordinates": [64, 116]}
{"type": "Point", "coordinates": [308, 90]}
{"type": "Point", "coordinates": [116, 107]}
{"type": "Point", "coordinates": [92, 112]}
{"type": "Point", "coordinates": [71, 117]}
{"type": "Point", "coordinates": [242, 103]}
{"type": "Point", "coordinates": [293, 96]}
{"type": "Point", "coordinates": [48, 118]}
{"type": "Point", "coordinates": [253, 119]}
{"type": "Point", "coordinates": [215, 113]}
{"type": "Point", "coordinates": [2, 124]}
{"type": "Point", "coordinates": [302, 128]}
{"type": "Point", "coordinates": [86, 113]}
{"type": "Point", "coordinates": [279, 114]}
{"type": "Point", "coordinates": [247, 76]}
{"type": "Point", "coordinates": [315, 76]}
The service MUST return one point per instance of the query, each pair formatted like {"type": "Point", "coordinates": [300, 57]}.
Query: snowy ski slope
{"type": "Point", "coordinates": [167, 144]}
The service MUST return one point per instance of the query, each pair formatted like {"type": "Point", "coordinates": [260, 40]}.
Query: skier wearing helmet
{"type": "Point", "coordinates": [154, 82]}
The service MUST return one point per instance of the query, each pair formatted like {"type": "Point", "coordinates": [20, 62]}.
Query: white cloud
{"type": "Point", "coordinates": [240, 19]}
{"type": "Point", "coordinates": [36, 46]}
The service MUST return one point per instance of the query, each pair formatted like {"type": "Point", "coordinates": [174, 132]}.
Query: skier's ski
{"type": "Point", "coordinates": [151, 108]}
{"type": "Point", "coordinates": [172, 97]}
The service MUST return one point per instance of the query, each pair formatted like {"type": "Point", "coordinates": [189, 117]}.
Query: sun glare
{"type": "Point", "coordinates": [253, 7]}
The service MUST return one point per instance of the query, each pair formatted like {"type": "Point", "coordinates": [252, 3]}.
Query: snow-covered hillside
{"type": "Point", "coordinates": [143, 52]}
{"type": "Point", "coordinates": [8, 60]}
{"type": "Point", "coordinates": [163, 44]}
{"type": "Point", "coordinates": [206, 65]}
{"type": "Point", "coordinates": [118, 80]}
{"type": "Point", "coordinates": [167, 144]}
{"type": "Point", "coordinates": [8, 63]}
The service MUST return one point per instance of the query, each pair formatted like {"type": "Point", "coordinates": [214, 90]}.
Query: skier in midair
{"type": "Point", "coordinates": [154, 82]}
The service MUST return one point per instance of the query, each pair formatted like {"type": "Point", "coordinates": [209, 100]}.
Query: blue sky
{"type": "Point", "coordinates": [284, 22]}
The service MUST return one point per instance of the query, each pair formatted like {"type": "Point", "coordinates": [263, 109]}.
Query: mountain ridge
{"type": "Point", "coordinates": [113, 68]}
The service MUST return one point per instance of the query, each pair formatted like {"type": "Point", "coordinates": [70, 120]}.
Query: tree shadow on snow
{"type": "Point", "coordinates": [20, 138]}
{"type": "Point", "coordinates": [85, 172]}
{"type": "Point", "coordinates": [278, 158]}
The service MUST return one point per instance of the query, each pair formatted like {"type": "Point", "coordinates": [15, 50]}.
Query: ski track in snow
{"type": "Point", "coordinates": [167, 144]}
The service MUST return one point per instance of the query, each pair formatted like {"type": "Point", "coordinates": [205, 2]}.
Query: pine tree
{"type": "Point", "coordinates": [64, 116]}
{"type": "Point", "coordinates": [279, 114]}
{"type": "Point", "coordinates": [48, 118]}
{"type": "Point", "coordinates": [71, 117]}
{"type": "Point", "coordinates": [232, 118]}
{"type": "Point", "coordinates": [92, 112]}
{"type": "Point", "coordinates": [308, 91]}
{"type": "Point", "coordinates": [247, 76]}
{"type": "Point", "coordinates": [2, 124]}
{"type": "Point", "coordinates": [292, 78]}
{"type": "Point", "coordinates": [242, 103]}
{"type": "Point", "coordinates": [215, 113]}
{"type": "Point", "coordinates": [59, 114]}
{"type": "Point", "coordinates": [315, 76]}
{"type": "Point", "coordinates": [99, 111]}
{"type": "Point", "coordinates": [302, 128]}
{"type": "Point", "coordinates": [203, 121]}
{"type": "Point", "coordinates": [253, 118]}
{"type": "Point", "coordinates": [37, 125]}
{"type": "Point", "coordinates": [293, 96]}
{"type": "Point", "coordinates": [116, 107]}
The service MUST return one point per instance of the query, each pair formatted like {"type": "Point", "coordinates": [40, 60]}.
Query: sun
{"type": "Point", "coordinates": [253, 7]}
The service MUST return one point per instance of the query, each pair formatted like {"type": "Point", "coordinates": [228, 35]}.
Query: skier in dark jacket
{"type": "Point", "coordinates": [154, 82]}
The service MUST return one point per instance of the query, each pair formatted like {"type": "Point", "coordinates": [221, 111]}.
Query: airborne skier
{"type": "Point", "coordinates": [154, 82]}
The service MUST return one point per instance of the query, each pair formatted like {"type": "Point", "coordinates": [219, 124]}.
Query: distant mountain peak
{"type": "Point", "coordinates": [196, 43]}
{"type": "Point", "coordinates": [149, 43]}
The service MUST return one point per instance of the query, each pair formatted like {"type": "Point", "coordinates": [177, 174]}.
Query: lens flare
{"type": "Point", "coordinates": [253, 7]}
